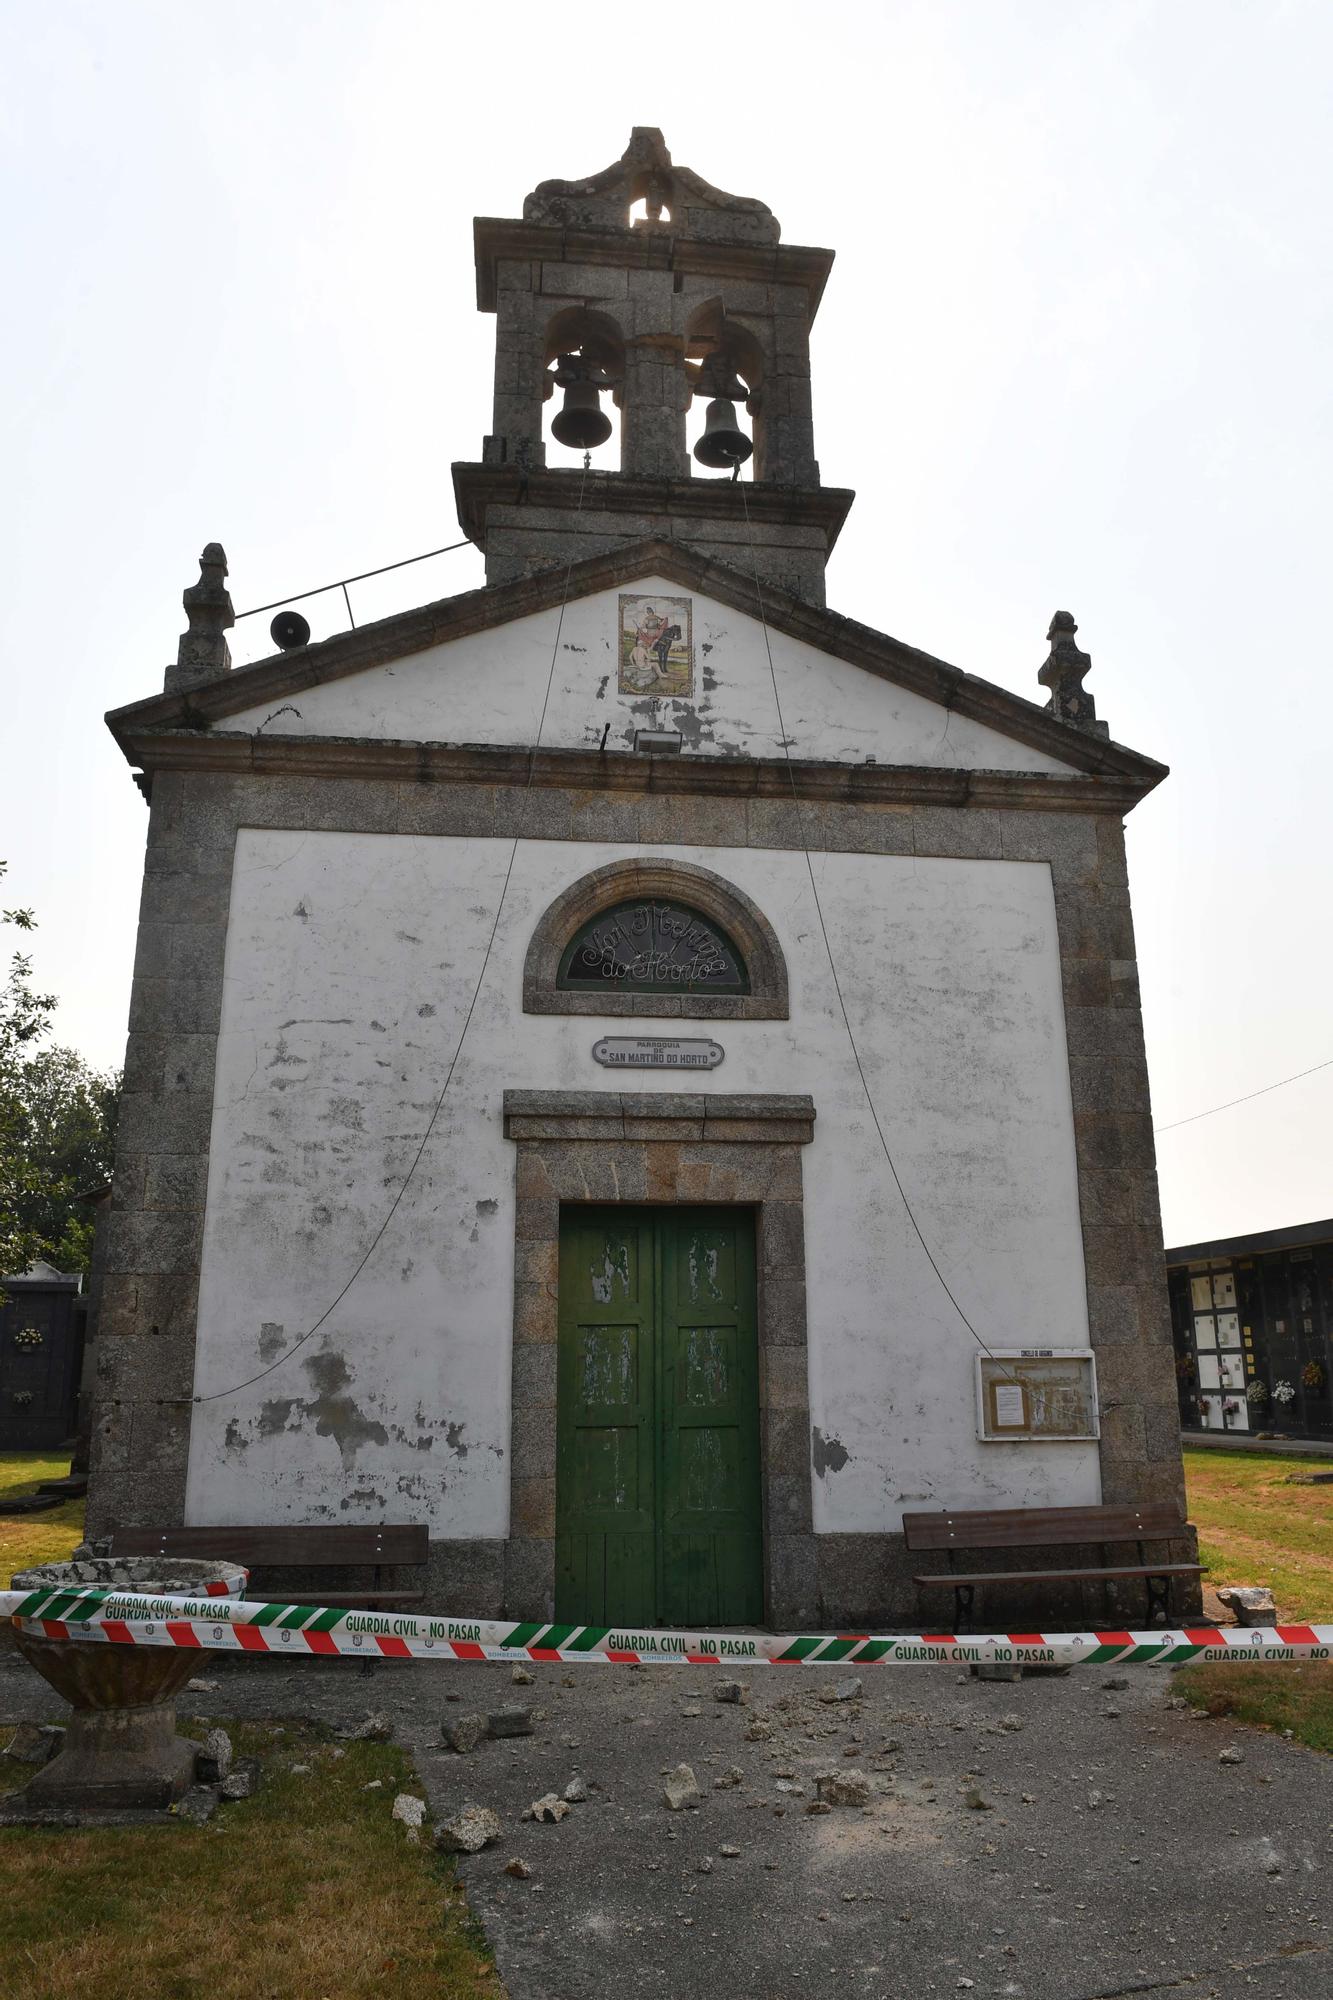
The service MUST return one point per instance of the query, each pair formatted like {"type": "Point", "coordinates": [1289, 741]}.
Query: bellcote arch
{"type": "Point", "coordinates": [697, 891]}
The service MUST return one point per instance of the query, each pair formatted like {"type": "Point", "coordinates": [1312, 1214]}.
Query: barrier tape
{"type": "Point", "coordinates": [235, 1625]}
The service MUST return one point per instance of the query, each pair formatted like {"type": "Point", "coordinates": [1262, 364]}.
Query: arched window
{"type": "Point", "coordinates": [655, 937]}
{"type": "Point", "coordinates": [652, 944]}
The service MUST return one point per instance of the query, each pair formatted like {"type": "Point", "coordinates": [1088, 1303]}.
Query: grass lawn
{"type": "Point", "coordinates": [1254, 1528]}
{"type": "Point", "coordinates": [26, 1539]}
{"type": "Point", "coordinates": [310, 1889]}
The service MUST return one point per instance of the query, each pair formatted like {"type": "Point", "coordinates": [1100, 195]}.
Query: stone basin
{"type": "Point", "coordinates": [121, 1751]}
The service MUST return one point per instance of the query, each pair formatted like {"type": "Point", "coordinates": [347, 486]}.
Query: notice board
{"type": "Point", "coordinates": [1036, 1394]}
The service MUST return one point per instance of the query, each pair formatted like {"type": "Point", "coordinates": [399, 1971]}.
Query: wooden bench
{"type": "Point", "coordinates": [294, 1548]}
{"type": "Point", "coordinates": [1043, 1527]}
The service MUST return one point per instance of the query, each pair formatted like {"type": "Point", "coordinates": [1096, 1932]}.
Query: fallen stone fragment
{"type": "Point", "coordinates": [1011, 1723]}
{"type": "Point", "coordinates": [32, 1743]}
{"type": "Point", "coordinates": [975, 1800]}
{"type": "Point", "coordinates": [336, 1752]}
{"type": "Point", "coordinates": [1096, 1799]}
{"type": "Point", "coordinates": [729, 1778]}
{"type": "Point", "coordinates": [511, 1721]}
{"type": "Point", "coordinates": [793, 1786]}
{"type": "Point", "coordinates": [1231, 1756]}
{"type": "Point", "coordinates": [1116, 1683]}
{"type": "Point", "coordinates": [376, 1728]}
{"type": "Point", "coordinates": [1252, 1603]}
{"type": "Point", "coordinates": [236, 1785]}
{"type": "Point", "coordinates": [681, 1791]}
{"type": "Point", "coordinates": [410, 1810]}
{"type": "Point", "coordinates": [462, 1733]}
{"type": "Point", "coordinates": [375, 1785]}
{"type": "Point", "coordinates": [519, 1868]}
{"type": "Point", "coordinates": [548, 1810]}
{"type": "Point", "coordinates": [994, 1671]}
{"type": "Point", "coordinates": [847, 1690]}
{"type": "Point", "coordinates": [300, 1770]}
{"type": "Point", "coordinates": [198, 1805]}
{"type": "Point", "coordinates": [576, 1791]}
{"type": "Point", "coordinates": [819, 1806]}
{"type": "Point", "coordinates": [759, 1730]}
{"type": "Point", "coordinates": [732, 1691]}
{"type": "Point", "coordinates": [692, 1709]}
{"type": "Point", "coordinates": [705, 1864]}
{"type": "Point", "coordinates": [213, 1761]}
{"type": "Point", "coordinates": [521, 1677]}
{"type": "Point", "coordinates": [202, 1687]}
{"type": "Point", "coordinates": [728, 1852]}
{"type": "Point", "coordinates": [844, 1788]}
{"type": "Point", "coordinates": [471, 1828]}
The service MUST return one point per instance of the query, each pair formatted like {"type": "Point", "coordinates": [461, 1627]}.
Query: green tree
{"type": "Point", "coordinates": [57, 1127]}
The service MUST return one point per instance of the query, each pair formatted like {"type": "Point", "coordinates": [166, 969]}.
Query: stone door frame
{"type": "Point", "coordinates": [577, 1147]}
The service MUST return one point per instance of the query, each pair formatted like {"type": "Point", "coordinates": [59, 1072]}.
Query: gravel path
{"type": "Point", "coordinates": [1063, 1838]}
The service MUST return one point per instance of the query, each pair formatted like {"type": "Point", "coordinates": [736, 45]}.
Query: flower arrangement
{"type": "Point", "coordinates": [21, 1398]}
{"type": "Point", "coordinates": [1185, 1367]}
{"type": "Point", "coordinates": [1312, 1376]}
{"type": "Point", "coordinates": [1283, 1392]}
{"type": "Point", "coordinates": [1257, 1395]}
{"type": "Point", "coordinates": [28, 1336]}
{"type": "Point", "coordinates": [1231, 1408]}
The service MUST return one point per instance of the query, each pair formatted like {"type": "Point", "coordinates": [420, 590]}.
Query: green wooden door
{"type": "Point", "coordinates": [657, 1461]}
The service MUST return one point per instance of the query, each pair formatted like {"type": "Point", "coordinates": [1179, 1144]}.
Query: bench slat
{"type": "Point", "coordinates": [286, 1547]}
{"type": "Point", "coordinates": [952, 1579]}
{"type": "Point", "coordinates": [1037, 1527]}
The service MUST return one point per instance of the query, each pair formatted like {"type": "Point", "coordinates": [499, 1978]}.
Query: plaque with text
{"type": "Point", "coordinates": [657, 1052]}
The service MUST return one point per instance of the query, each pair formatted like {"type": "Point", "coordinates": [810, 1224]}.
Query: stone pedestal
{"type": "Point", "coordinates": [121, 1751]}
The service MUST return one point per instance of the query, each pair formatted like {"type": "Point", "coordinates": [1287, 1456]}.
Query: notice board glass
{"type": "Point", "coordinates": [1036, 1394]}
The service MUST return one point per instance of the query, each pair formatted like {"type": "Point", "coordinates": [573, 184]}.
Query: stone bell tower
{"type": "Point", "coordinates": [695, 297]}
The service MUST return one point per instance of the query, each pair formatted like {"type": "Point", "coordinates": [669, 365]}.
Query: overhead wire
{"type": "Point", "coordinates": [1249, 1096]}
{"type": "Point", "coordinates": [221, 1395]}
{"type": "Point", "coordinates": [828, 948]}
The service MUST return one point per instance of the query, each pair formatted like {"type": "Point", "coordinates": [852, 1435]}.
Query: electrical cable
{"type": "Point", "coordinates": [837, 983]}
{"type": "Point", "coordinates": [220, 1395]}
{"type": "Point", "coordinates": [341, 582]}
{"type": "Point", "coordinates": [1231, 1102]}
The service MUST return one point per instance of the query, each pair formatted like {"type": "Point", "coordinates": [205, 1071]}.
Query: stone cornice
{"type": "Point", "coordinates": [622, 772]}
{"type": "Point", "coordinates": [497, 238]}
{"type": "Point", "coordinates": [477, 488]}
{"type": "Point", "coordinates": [286, 675]}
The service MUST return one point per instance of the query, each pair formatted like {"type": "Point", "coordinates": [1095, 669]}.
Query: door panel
{"type": "Point", "coordinates": [657, 1494]}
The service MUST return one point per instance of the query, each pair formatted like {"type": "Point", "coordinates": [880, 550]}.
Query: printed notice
{"type": "Point", "coordinates": [1010, 1407]}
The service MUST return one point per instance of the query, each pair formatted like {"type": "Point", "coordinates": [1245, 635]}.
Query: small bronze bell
{"type": "Point", "coordinates": [723, 442]}
{"type": "Point", "coordinates": [581, 424]}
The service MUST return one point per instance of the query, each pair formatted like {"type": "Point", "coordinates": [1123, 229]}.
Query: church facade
{"type": "Point", "coordinates": [626, 1065]}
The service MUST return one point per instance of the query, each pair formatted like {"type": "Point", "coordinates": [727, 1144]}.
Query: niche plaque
{"type": "Point", "coordinates": [657, 1052]}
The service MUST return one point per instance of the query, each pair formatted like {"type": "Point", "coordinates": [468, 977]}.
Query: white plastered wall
{"type": "Point", "coordinates": [488, 688]}
{"type": "Point", "coordinates": [351, 963]}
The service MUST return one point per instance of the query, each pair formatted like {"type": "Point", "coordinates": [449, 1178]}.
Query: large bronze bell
{"type": "Point", "coordinates": [581, 424]}
{"type": "Point", "coordinates": [723, 443]}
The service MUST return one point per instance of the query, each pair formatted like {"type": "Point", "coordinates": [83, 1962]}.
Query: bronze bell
{"type": "Point", "coordinates": [581, 424]}
{"type": "Point", "coordinates": [723, 443]}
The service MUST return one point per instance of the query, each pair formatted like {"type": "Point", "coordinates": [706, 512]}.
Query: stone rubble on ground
{"type": "Point", "coordinates": [547, 1810]}
{"type": "Point", "coordinates": [411, 1811]}
{"type": "Point", "coordinates": [1252, 1603]}
{"type": "Point", "coordinates": [521, 1678]}
{"type": "Point", "coordinates": [198, 1805]}
{"type": "Point", "coordinates": [843, 1788]}
{"type": "Point", "coordinates": [236, 1785]}
{"type": "Point", "coordinates": [681, 1789]}
{"type": "Point", "coordinates": [510, 1721]}
{"type": "Point", "coordinates": [576, 1791]}
{"type": "Point", "coordinates": [202, 1687]}
{"type": "Point", "coordinates": [1231, 1755]}
{"type": "Point", "coordinates": [759, 1730]}
{"type": "Point", "coordinates": [518, 1868]}
{"type": "Point", "coordinates": [462, 1733]}
{"type": "Point", "coordinates": [729, 1779]}
{"type": "Point", "coordinates": [376, 1728]}
{"type": "Point", "coordinates": [470, 1829]}
{"type": "Point", "coordinates": [847, 1690]}
{"type": "Point", "coordinates": [213, 1761]}
{"type": "Point", "coordinates": [34, 1742]}
{"type": "Point", "coordinates": [976, 1800]}
{"type": "Point", "coordinates": [732, 1691]}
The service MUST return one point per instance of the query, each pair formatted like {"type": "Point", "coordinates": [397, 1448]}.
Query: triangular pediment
{"type": "Point", "coordinates": [645, 637]}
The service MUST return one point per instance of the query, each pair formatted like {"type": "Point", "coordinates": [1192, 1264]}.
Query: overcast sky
{"type": "Point", "coordinates": [1075, 352]}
